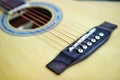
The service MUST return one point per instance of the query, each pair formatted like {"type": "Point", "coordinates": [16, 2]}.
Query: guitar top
{"type": "Point", "coordinates": [33, 33]}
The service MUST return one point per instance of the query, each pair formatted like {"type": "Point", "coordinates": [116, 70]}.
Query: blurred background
{"type": "Point", "coordinates": [98, 0]}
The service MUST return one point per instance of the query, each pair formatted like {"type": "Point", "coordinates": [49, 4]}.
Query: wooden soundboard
{"type": "Point", "coordinates": [25, 58]}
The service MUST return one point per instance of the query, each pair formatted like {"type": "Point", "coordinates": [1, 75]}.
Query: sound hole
{"type": "Point", "coordinates": [30, 18]}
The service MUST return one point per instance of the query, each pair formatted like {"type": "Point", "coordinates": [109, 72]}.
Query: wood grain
{"type": "Point", "coordinates": [24, 58]}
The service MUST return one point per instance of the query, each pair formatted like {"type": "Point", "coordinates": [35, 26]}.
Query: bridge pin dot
{"type": "Point", "coordinates": [80, 50]}
{"type": "Point", "coordinates": [101, 34]}
{"type": "Point", "coordinates": [93, 40]}
{"type": "Point", "coordinates": [89, 43]}
{"type": "Point", "coordinates": [84, 46]}
{"type": "Point", "coordinates": [97, 37]}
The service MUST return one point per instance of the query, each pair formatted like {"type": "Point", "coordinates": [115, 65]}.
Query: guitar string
{"type": "Point", "coordinates": [84, 28]}
{"type": "Point", "coordinates": [58, 30]}
{"type": "Point", "coordinates": [56, 43]}
{"type": "Point", "coordinates": [76, 30]}
{"type": "Point", "coordinates": [33, 9]}
{"type": "Point", "coordinates": [4, 4]}
{"type": "Point", "coordinates": [61, 32]}
{"type": "Point", "coordinates": [39, 25]}
{"type": "Point", "coordinates": [63, 21]}
{"type": "Point", "coordinates": [44, 23]}
{"type": "Point", "coordinates": [42, 14]}
{"type": "Point", "coordinates": [48, 18]}
{"type": "Point", "coordinates": [76, 25]}
{"type": "Point", "coordinates": [47, 37]}
{"type": "Point", "coordinates": [10, 3]}
{"type": "Point", "coordinates": [71, 21]}
{"type": "Point", "coordinates": [52, 33]}
{"type": "Point", "coordinates": [60, 45]}
{"type": "Point", "coordinates": [47, 31]}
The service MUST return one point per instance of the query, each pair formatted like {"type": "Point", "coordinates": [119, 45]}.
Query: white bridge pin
{"type": "Point", "coordinates": [80, 50]}
{"type": "Point", "coordinates": [84, 46]}
{"type": "Point", "coordinates": [101, 34]}
{"type": "Point", "coordinates": [89, 43]}
{"type": "Point", "coordinates": [97, 37]}
{"type": "Point", "coordinates": [93, 40]}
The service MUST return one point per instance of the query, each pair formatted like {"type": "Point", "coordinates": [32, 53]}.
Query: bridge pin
{"type": "Point", "coordinates": [80, 50]}
{"type": "Point", "coordinates": [85, 46]}
{"type": "Point", "coordinates": [97, 37]}
{"type": "Point", "coordinates": [89, 43]}
{"type": "Point", "coordinates": [101, 34]}
{"type": "Point", "coordinates": [93, 40]}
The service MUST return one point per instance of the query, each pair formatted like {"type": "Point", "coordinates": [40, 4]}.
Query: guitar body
{"type": "Point", "coordinates": [25, 57]}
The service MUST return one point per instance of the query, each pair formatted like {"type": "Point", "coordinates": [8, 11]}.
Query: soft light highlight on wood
{"type": "Point", "coordinates": [25, 58]}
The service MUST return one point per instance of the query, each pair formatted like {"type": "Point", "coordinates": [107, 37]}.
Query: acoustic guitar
{"type": "Point", "coordinates": [41, 36]}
